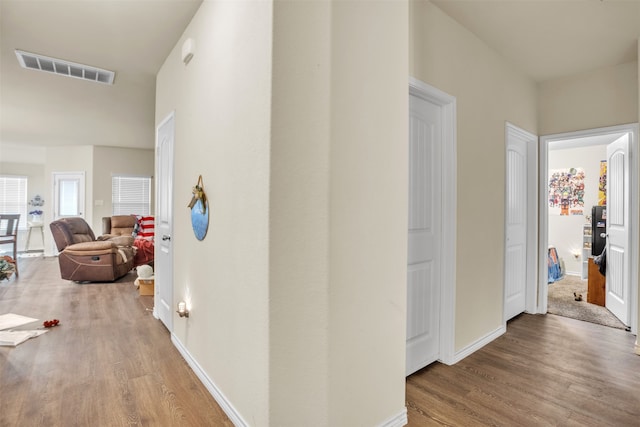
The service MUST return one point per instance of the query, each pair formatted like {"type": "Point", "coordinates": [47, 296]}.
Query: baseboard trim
{"type": "Point", "coordinates": [398, 420]}
{"type": "Point", "coordinates": [219, 397]}
{"type": "Point", "coordinates": [475, 346]}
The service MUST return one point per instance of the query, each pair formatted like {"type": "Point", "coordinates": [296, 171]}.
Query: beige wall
{"type": "Point", "coordinates": [122, 161]}
{"type": "Point", "coordinates": [299, 214]}
{"type": "Point", "coordinates": [68, 159]}
{"type": "Point", "coordinates": [222, 102]}
{"type": "Point", "coordinates": [35, 185]}
{"type": "Point", "coordinates": [368, 211]}
{"type": "Point", "coordinates": [599, 98]}
{"type": "Point", "coordinates": [298, 289]}
{"type": "Point", "coordinates": [488, 91]}
{"type": "Point", "coordinates": [35, 178]}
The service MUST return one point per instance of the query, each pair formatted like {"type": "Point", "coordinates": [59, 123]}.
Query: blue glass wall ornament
{"type": "Point", "coordinates": [199, 210]}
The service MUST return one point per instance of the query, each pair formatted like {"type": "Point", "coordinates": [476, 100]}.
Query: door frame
{"type": "Point", "coordinates": [82, 202]}
{"type": "Point", "coordinates": [447, 103]}
{"type": "Point", "coordinates": [631, 128]}
{"type": "Point", "coordinates": [532, 211]}
{"type": "Point", "coordinates": [82, 179]}
{"type": "Point", "coordinates": [158, 187]}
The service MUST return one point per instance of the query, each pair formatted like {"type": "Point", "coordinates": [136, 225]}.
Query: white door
{"type": "Point", "coordinates": [163, 262]}
{"type": "Point", "coordinates": [617, 283]}
{"type": "Point", "coordinates": [425, 223]}
{"type": "Point", "coordinates": [515, 256]}
{"type": "Point", "coordinates": [68, 190]}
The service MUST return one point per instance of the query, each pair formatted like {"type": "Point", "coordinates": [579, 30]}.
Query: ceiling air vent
{"type": "Point", "coordinates": [64, 68]}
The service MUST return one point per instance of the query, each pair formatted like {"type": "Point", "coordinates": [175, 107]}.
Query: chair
{"type": "Point", "coordinates": [127, 225]}
{"type": "Point", "coordinates": [9, 234]}
{"type": "Point", "coordinates": [83, 258]}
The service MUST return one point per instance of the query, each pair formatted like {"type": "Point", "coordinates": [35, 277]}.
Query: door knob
{"type": "Point", "coordinates": [165, 237]}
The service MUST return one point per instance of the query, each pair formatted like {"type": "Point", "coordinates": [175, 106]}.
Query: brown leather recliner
{"type": "Point", "coordinates": [125, 225]}
{"type": "Point", "coordinates": [119, 225]}
{"type": "Point", "coordinates": [82, 258]}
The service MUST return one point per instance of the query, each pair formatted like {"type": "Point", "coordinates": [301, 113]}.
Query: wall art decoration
{"type": "Point", "coordinates": [566, 191]}
{"type": "Point", "coordinates": [199, 206]}
{"type": "Point", "coordinates": [602, 184]}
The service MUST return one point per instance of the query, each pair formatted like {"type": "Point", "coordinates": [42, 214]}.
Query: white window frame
{"type": "Point", "coordinates": [8, 206]}
{"type": "Point", "coordinates": [139, 196]}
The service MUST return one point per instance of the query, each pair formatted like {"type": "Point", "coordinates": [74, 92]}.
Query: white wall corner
{"type": "Point", "coordinates": [477, 345]}
{"type": "Point", "coordinates": [397, 420]}
{"type": "Point", "coordinates": [219, 397]}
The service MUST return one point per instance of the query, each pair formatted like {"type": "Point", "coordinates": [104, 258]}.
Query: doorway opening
{"type": "Point", "coordinates": [575, 173]}
{"type": "Point", "coordinates": [431, 233]}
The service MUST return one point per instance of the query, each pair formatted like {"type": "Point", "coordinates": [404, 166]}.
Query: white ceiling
{"type": "Point", "coordinates": [548, 39]}
{"type": "Point", "coordinates": [130, 37]}
{"type": "Point", "coordinates": [545, 38]}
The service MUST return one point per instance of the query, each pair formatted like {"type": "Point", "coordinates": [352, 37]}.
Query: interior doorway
{"type": "Point", "coordinates": [163, 298]}
{"type": "Point", "coordinates": [572, 168]}
{"type": "Point", "coordinates": [431, 242]}
{"type": "Point", "coordinates": [520, 224]}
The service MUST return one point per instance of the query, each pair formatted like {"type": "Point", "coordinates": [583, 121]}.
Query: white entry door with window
{"type": "Point", "coordinates": [68, 189]}
{"type": "Point", "coordinates": [163, 301]}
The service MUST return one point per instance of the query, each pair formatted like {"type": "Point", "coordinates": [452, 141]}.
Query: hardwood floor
{"type": "Point", "coordinates": [545, 371]}
{"type": "Point", "coordinates": [109, 363]}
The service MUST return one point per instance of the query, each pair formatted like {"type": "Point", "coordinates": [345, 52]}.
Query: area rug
{"type": "Point", "coordinates": [561, 302]}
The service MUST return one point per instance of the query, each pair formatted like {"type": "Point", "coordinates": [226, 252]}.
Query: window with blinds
{"type": "Point", "coordinates": [131, 195]}
{"type": "Point", "coordinates": [13, 197]}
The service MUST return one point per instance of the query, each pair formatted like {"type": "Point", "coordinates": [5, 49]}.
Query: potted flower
{"type": "Point", "coordinates": [36, 214]}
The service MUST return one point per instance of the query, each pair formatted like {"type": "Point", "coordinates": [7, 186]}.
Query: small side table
{"type": "Point", "coordinates": [31, 225]}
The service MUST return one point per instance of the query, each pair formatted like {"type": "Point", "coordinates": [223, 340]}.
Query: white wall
{"type": "Point", "coordinates": [565, 232]}
{"type": "Point", "coordinates": [489, 92]}
{"type": "Point", "coordinates": [222, 102]}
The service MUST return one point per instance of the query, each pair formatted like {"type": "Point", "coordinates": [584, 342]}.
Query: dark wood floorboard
{"type": "Point", "coordinates": [109, 363]}
{"type": "Point", "coordinates": [544, 371]}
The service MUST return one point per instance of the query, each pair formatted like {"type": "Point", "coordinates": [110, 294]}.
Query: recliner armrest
{"type": "Point", "coordinates": [104, 245]}
{"type": "Point", "coordinates": [121, 240]}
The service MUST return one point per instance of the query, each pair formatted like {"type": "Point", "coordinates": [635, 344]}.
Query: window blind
{"type": "Point", "coordinates": [13, 197]}
{"type": "Point", "coordinates": [131, 195]}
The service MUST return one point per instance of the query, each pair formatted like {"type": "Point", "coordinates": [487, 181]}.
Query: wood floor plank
{"type": "Point", "coordinates": [109, 363]}
{"type": "Point", "coordinates": [545, 370]}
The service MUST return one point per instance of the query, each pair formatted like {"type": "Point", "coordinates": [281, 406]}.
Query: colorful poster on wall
{"type": "Point", "coordinates": [566, 191]}
{"type": "Point", "coordinates": [602, 184]}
